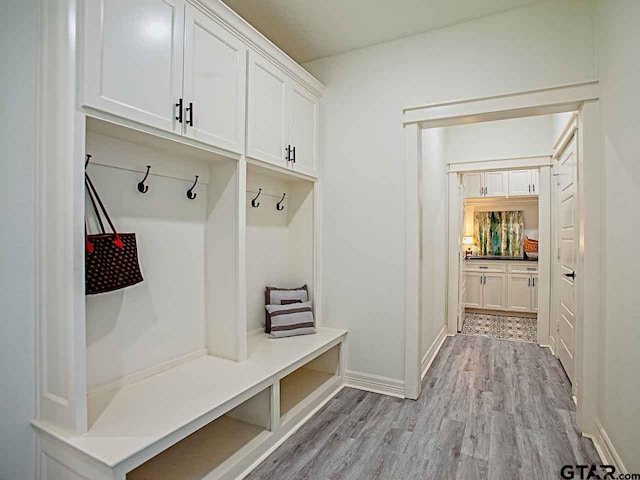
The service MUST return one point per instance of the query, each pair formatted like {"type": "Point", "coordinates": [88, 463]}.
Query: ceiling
{"type": "Point", "coordinates": [312, 29]}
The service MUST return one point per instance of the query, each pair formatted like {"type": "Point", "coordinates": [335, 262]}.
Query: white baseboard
{"type": "Point", "coordinates": [605, 448]}
{"type": "Point", "coordinates": [433, 350]}
{"type": "Point", "coordinates": [146, 373]}
{"type": "Point", "coordinates": [550, 347]}
{"type": "Point", "coordinates": [284, 438]}
{"type": "Point", "coordinates": [374, 383]}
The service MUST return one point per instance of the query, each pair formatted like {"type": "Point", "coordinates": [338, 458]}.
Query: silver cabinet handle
{"type": "Point", "coordinates": [482, 266]}
{"type": "Point", "coordinates": [534, 188]}
{"type": "Point", "coordinates": [533, 281]}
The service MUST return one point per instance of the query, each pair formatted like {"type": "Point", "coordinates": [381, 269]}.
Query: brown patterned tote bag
{"type": "Point", "coordinates": [111, 260]}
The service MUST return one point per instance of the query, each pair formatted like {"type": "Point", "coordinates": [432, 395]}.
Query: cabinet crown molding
{"type": "Point", "coordinates": [258, 42]}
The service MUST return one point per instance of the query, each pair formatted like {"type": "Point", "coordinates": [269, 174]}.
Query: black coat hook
{"type": "Point", "coordinates": [88, 157]}
{"type": "Point", "coordinates": [279, 205]}
{"type": "Point", "coordinates": [254, 203]}
{"type": "Point", "coordinates": [142, 188]}
{"type": "Point", "coordinates": [190, 194]}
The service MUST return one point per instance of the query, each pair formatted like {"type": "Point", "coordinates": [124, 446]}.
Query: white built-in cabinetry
{"type": "Point", "coordinates": [485, 286]}
{"type": "Point", "coordinates": [501, 285]}
{"type": "Point", "coordinates": [282, 119]}
{"type": "Point", "coordinates": [501, 183]}
{"type": "Point", "coordinates": [177, 67]}
{"type": "Point", "coordinates": [133, 56]}
{"type": "Point", "coordinates": [132, 380]}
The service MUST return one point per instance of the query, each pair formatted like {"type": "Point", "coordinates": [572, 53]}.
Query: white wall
{"type": "Point", "coordinates": [514, 138]}
{"type": "Point", "coordinates": [433, 243]}
{"type": "Point", "coordinates": [163, 317]}
{"type": "Point", "coordinates": [18, 29]}
{"type": "Point", "coordinates": [619, 65]}
{"type": "Point", "coordinates": [361, 144]}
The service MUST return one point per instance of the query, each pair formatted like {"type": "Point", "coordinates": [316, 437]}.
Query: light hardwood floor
{"type": "Point", "coordinates": [490, 409]}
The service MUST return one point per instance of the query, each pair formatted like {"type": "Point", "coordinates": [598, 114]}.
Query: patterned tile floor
{"type": "Point", "coordinates": [501, 326]}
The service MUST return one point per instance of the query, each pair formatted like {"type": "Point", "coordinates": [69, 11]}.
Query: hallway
{"type": "Point", "coordinates": [489, 409]}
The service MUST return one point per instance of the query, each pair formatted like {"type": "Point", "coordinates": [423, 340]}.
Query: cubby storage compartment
{"type": "Point", "coordinates": [187, 305]}
{"type": "Point", "coordinates": [280, 248]}
{"type": "Point", "coordinates": [216, 449]}
{"type": "Point", "coordinates": [303, 386]}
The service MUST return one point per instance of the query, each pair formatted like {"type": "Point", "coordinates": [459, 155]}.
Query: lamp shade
{"type": "Point", "coordinates": [467, 240]}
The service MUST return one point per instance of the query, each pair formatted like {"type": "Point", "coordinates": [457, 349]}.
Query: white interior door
{"type": "Point", "coordinates": [214, 83]}
{"type": "Point", "coordinates": [520, 182]}
{"type": "Point", "coordinates": [267, 122]}
{"type": "Point", "coordinates": [133, 59]}
{"type": "Point", "coordinates": [473, 184]}
{"type": "Point", "coordinates": [495, 184]}
{"type": "Point", "coordinates": [303, 129]}
{"type": "Point", "coordinates": [494, 291]}
{"type": "Point", "coordinates": [567, 231]}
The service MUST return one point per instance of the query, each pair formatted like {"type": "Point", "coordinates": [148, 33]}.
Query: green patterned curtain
{"type": "Point", "coordinates": [499, 233]}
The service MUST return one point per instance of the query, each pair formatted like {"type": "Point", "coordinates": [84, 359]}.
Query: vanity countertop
{"type": "Point", "coordinates": [492, 257]}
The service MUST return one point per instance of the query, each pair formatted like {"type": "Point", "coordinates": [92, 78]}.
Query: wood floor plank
{"type": "Point", "coordinates": [490, 410]}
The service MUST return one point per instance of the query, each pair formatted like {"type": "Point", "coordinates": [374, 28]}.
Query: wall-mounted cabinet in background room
{"type": "Point", "coordinates": [501, 184]}
{"type": "Point", "coordinates": [282, 119]}
{"type": "Point", "coordinates": [489, 184]}
{"type": "Point", "coordinates": [523, 183]}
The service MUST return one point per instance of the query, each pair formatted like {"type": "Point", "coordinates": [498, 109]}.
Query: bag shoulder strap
{"type": "Point", "coordinates": [95, 207]}
{"type": "Point", "coordinates": [92, 189]}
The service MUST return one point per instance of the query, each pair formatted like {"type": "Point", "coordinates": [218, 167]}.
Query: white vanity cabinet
{"type": "Point", "coordinates": [282, 119]}
{"type": "Point", "coordinates": [510, 285]}
{"type": "Point", "coordinates": [485, 285]}
{"type": "Point", "coordinates": [133, 56]}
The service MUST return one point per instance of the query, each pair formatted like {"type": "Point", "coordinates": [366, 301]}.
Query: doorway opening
{"type": "Point", "coordinates": [568, 242]}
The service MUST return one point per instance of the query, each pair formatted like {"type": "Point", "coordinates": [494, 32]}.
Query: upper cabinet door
{"type": "Point", "coordinates": [535, 182]}
{"type": "Point", "coordinates": [214, 83]}
{"type": "Point", "coordinates": [473, 185]}
{"type": "Point", "coordinates": [520, 183]}
{"type": "Point", "coordinates": [303, 129]}
{"type": "Point", "coordinates": [267, 119]}
{"type": "Point", "coordinates": [495, 184]}
{"type": "Point", "coordinates": [133, 59]}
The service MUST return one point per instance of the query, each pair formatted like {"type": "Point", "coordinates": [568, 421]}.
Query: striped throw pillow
{"type": "Point", "coordinates": [290, 320]}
